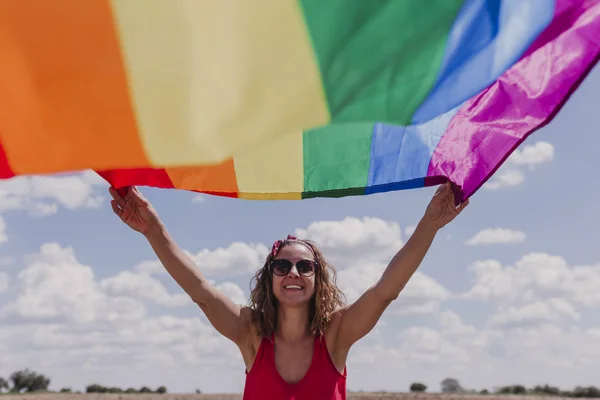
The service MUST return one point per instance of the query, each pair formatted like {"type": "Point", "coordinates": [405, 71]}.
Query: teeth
{"type": "Point", "coordinates": [293, 287]}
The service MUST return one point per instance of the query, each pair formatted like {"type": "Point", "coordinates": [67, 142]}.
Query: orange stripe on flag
{"type": "Point", "coordinates": [214, 178]}
{"type": "Point", "coordinates": [64, 98]}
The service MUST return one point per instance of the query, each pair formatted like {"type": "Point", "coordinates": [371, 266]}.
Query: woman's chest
{"type": "Point", "coordinates": [293, 362]}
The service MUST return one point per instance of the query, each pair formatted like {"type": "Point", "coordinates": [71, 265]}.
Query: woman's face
{"type": "Point", "coordinates": [294, 288]}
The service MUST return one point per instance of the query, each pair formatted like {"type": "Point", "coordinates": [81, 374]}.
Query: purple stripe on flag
{"type": "Point", "coordinates": [491, 125]}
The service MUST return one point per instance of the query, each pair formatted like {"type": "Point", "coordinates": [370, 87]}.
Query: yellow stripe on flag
{"type": "Point", "coordinates": [274, 170]}
{"type": "Point", "coordinates": [210, 78]}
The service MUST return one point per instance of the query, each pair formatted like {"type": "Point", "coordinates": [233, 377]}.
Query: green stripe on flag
{"type": "Point", "coordinates": [378, 59]}
{"type": "Point", "coordinates": [337, 157]}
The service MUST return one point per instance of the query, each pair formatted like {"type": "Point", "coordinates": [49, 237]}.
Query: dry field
{"type": "Point", "coordinates": [353, 396]}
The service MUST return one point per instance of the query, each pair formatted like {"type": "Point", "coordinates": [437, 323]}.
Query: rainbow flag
{"type": "Point", "coordinates": [284, 99]}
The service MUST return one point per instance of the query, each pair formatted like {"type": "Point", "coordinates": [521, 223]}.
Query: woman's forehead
{"type": "Point", "coordinates": [296, 251]}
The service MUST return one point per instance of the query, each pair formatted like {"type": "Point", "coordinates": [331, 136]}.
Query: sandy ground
{"type": "Point", "coordinates": [353, 396]}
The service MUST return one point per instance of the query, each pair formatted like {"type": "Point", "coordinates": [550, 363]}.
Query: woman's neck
{"type": "Point", "coordinates": [292, 324]}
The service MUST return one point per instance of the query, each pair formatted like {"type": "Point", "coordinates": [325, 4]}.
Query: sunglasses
{"type": "Point", "coordinates": [282, 267]}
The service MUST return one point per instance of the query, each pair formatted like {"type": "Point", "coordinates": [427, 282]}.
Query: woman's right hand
{"type": "Point", "coordinates": [134, 210]}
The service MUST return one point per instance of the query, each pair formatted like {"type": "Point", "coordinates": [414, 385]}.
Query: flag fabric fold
{"type": "Point", "coordinates": [298, 100]}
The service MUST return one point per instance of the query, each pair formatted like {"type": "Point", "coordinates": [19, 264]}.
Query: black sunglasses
{"type": "Point", "coordinates": [282, 267]}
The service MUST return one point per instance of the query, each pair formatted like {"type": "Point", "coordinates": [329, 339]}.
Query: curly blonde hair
{"type": "Point", "coordinates": [325, 300]}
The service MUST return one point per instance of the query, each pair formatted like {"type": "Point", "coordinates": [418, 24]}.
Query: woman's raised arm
{"type": "Point", "coordinates": [230, 319]}
{"type": "Point", "coordinates": [357, 319]}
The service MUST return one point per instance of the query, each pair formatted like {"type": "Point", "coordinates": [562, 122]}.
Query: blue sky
{"type": "Point", "coordinates": [483, 325]}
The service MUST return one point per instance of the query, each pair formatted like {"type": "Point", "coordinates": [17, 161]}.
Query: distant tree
{"type": "Point", "coordinates": [198, 391]}
{"type": "Point", "coordinates": [4, 384]}
{"type": "Point", "coordinates": [28, 381]}
{"type": "Point", "coordinates": [94, 388]}
{"type": "Point", "coordinates": [586, 392]}
{"type": "Point", "coordinates": [145, 389]}
{"type": "Point", "coordinates": [451, 385]}
{"type": "Point", "coordinates": [518, 389]}
{"type": "Point", "coordinates": [503, 390]}
{"type": "Point", "coordinates": [484, 391]}
{"type": "Point", "coordinates": [130, 390]}
{"type": "Point", "coordinates": [547, 389]}
{"type": "Point", "coordinates": [65, 390]}
{"type": "Point", "coordinates": [418, 387]}
{"type": "Point", "coordinates": [161, 390]}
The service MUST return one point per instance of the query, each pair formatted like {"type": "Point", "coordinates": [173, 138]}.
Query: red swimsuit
{"type": "Point", "coordinates": [321, 382]}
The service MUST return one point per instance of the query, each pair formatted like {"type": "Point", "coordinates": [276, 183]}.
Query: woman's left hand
{"type": "Point", "coordinates": [441, 209]}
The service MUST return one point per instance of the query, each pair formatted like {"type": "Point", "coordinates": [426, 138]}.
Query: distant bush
{"type": "Point", "coordinates": [161, 390]}
{"type": "Point", "coordinates": [514, 389]}
{"type": "Point", "coordinates": [27, 381]}
{"type": "Point", "coordinates": [95, 388]}
{"type": "Point", "coordinates": [418, 387]}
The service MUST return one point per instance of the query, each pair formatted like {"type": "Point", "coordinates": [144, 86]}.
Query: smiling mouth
{"type": "Point", "coordinates": [293, 287]}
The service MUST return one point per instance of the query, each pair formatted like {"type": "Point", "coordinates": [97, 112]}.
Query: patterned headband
{"type": "Point", "coordinates": [289, 239]}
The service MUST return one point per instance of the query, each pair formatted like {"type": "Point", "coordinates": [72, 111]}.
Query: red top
{"type": "Point", "coordinates": [322, 380]}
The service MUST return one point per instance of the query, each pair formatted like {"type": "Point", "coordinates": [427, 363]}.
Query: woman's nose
{"type": "Point", "coordinates": [293, 271]}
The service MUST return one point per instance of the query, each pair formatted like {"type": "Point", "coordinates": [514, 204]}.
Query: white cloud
{"type": "Point", "coordinates": [4, 281]}
{"type": "Point", "coordinates": [496, 236]}
{"type": "Point", "coordinates": [536, 276]}
{"type": "Point", "coordinates": [41, 195]}
{"type": "Point", "coordinates": [353, 238]}
{"type": "Point", "coordinates": [478, 358]}
{"type": "Point", "coordinates": [66, 323]}
{"type": "Point", "coordinates": [55, 286]}
{"type": "Point", "coordinates": [550, 311]}
{"type": "Point", "coordinates": [142, 287]}
{"type": "Point", "coordinates": [236, 259]}
{"type": "Point", "coordinates": [150, 267]}
{"type": "Point", "coordinates": [361, 249]}
{"type": "Point", "coordinates": [532, 155]}
{"type": "Point", "coordinates": [447, 347]}
{"type": "Point", "coordinates": [3, 235]}
{"type": "Point", "coordinates": [538, 290]}
{"type": "Point", "coordinates": [233, 291]}
{"type": "Point", "coordinates": [82, 329]}
{"type": "Point", "coordinates": [529, 156]}
{"type": "Point", "coordinates": [198, 199]}
{"type": "Point", "coordinates": [505, 177]}
{"type": "Point", "coordinates": [422, 294]}
{"type": "Point", "coordinates": [452, 324]}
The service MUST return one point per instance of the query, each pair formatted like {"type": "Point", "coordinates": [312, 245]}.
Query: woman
{"type": "Point", "coordinates": [296, 333]}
